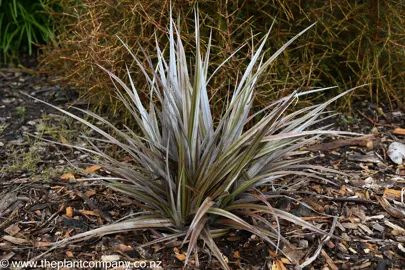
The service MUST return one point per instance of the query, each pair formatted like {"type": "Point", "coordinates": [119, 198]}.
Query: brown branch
{"type": "Point", "coordinates": [366, 141]}
{"type": "Point", "coordinates": [374, 122]}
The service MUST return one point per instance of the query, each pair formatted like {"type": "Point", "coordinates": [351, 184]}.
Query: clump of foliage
{"type": "Point", "coordinates": [193, 177]}
{"type": "Point", "coordinates": [354, 43]}
{"type": "Point", "coordinates": [23, 23]}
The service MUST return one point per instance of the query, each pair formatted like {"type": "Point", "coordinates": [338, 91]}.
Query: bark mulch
{"type": "Point", "coordinates": [42, 198]}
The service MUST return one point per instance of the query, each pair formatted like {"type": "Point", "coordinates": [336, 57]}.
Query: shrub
{"type": "Point", "coordinates": [23, 24]}
{"type": "Point", "coordinates": [193, 177]}
{"type": "Point", "coordinates": [354, 43]}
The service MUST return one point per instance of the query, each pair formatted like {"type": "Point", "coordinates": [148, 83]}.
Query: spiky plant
{"type": "Point", "coordinates": [194, 177]}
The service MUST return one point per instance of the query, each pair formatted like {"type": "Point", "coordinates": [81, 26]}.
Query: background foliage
{"type": "Point", "coordinates": [23, 23]}
{"type": "Point", "coordinates": [354, 42]}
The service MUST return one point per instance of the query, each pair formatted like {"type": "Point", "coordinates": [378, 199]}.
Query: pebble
{"type": "Point", "coordinates": [1, 144]}
{"type": "Point", "coordinates": [397, 114]}
{"type": "Point", "coordinates": [8, 100]}
{"type": "Point", "coordinates": [375, 131]}
{"type": "Point", "coordinates": [17, 142]}
{"type": "Point", "coordinates": [110, 258]}
{"type": "Point", "coordinates": [396, 152]}
{"type": "Point", "coordinates": [303, 244]}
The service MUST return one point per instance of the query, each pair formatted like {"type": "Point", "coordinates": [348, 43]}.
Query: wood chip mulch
{"type": "Point", "coordinates": [363, 210]}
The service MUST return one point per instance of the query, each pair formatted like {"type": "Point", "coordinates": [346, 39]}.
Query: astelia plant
{"type": "Point", "coordinates": [196, 179]}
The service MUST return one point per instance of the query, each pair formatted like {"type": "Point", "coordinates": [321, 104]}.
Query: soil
{"type": "Point", "coordinates": [41, 201]}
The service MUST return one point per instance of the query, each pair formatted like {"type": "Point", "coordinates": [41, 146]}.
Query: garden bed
{"type": "Point", "coordinates": [42, 198]}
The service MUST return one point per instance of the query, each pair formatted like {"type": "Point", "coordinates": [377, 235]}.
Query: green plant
{"type": "Point", "coordinates": [196, 178]}
{"type": "Point", "coordinates": [22, 159]}
{"type": "Point", "coordinates": [3, 127]}
{"type": "Point", "coordinates": [22, 24]}
{"type": "Point", "coordinates": [21, 111]}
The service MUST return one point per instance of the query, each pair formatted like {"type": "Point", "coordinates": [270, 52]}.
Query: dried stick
{"type": "Point", "coordinates": [325, 239]}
